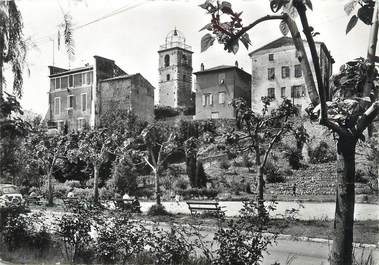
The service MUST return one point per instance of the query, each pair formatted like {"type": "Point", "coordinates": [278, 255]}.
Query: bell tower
{"type": "Point", "coordinates": [175, 71]}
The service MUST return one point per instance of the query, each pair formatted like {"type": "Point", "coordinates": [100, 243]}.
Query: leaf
{"type": "Point", "coordinates": [365, 14]}
{"type": "Point", "coordinates": [235, 47]}
{"type": "Point", "coordinates": [207, 27]}
{"type": "Point", "coordinates": [226, 7]}
{"type": "Point", "coordinates": [276, 5]}
{"type": "Point", "coordinates": [308, 3]}
{"type": "Point", "coordinates": [283, 28]}
{"type": "Point", "coordinates": [206, 42]}
{"type": "Point", "coordinates": [349, 7]}
{"type": "Point", "coordinates": [245, 39]}
{"type": "Point", "coordinates": [353, 21]}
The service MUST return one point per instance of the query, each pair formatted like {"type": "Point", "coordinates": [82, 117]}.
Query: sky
{"type": "Point", "coordinates": [131, 31]}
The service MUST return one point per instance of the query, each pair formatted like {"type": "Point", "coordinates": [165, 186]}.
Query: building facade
{"type": "Point", "coordinates": [175, 71]}
{"type": "Point", "coordinates": [276, 73]}
{"type": "Point", "coordinates": [215, 89]}
{"type": "Point", "coordinates": [75, 96]}
{"type": "Point", "coordinates": [128, 92]}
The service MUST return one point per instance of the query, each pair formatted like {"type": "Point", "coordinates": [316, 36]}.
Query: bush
{"type": "Point", "coordinates": [294, 156]}
{"type": "Point", "coordinates": [322, 154]}
{"type": "Point", "coordinates": [360, 176]}
{"type": "Point", "coordinates": [181, 183]}
{"type": "Point", "coordinates": [86, 193]}
{"type": "Point", "coordinates": [196, 192]}
{"type": "Point", "coordinates": [73, 183]}
{"type": "Point", "coordinates": [246, 162]}
{"type": "Point", "coordinates": [169, 247]}
{"type": "Point", "coordinates": [125, 178]}
{"type": "Point", "coordinates": [157, 210]}
{"type": "Point", "coordinates": [162, 112]}
{"type": "Point", "coordinates": [224, 164]}
{"type": "Point", "coordinates": [273, 174]}
{"type": "Point", "coordinates": [106, 193]}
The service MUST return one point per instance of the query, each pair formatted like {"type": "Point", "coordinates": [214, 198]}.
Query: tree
{"type": "Point", "coordinates": [48, 151]}
{"type": "Point", "coordinates": [95, 147]}
{"type": "Point", "coordinates": [160, 143]}
{"type": "Point", "coordinates": [258, 129]}
{"type": "Point", "coordinates": [12, 45]}
{"type": "Point", "coordinates": [357, 105]}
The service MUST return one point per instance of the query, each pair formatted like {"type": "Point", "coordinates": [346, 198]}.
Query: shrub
{"type": "Point", "coordinates": [181, 183]}
{"type": "Point", "coordinates": [73, 183]}
{"type": "Point", "coordinates": [162, 112]}
{"type": "Point", "coordinates": [294, 156]}
{"type": "Point", "coordinates": [169, 247]}
{"type": "Point", "coordinates": [73, 230]}
{"type": "Point", "coordinates": [125, 179]}
{"type": "Point", "coordinates": [106, 193]}
{"type": "Point", "coordinates": [321, 154]}
{"type": "Point", "coordinates": [157, 210]}
{"type": "Point", "coordinates": [246, 162]}
{"type": "Point", "coordinates": [360, 176]}
{"type": "Point", "coordinates": [273, 174]}
{"type": "Point", "coordinates": [86, 193]}
{"type": "Point", "coordinates": [224, 164]}
{"type": "Point", "coordinates": [196, 192]}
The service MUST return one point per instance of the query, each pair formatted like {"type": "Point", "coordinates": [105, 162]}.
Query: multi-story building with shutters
{"type": "Point", "coordinates": [276, 73]}
{"type": "Point", "coordinates": [216, 87]}
{"type": "Point", "coordinates": [77, 97]}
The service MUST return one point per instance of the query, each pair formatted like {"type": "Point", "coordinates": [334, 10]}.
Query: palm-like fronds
{"type": "Point", "coordinates": [68, 36]}
{"type": "Point", "coordinates": [14, 50]}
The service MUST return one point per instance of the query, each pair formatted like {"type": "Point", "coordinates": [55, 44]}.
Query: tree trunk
{"type": "Point", "coordinates": [261, 182]}
{"type": "Point", "coordinates": [345, 199]}
{"type": "Point", "coordinates": [96, 169]}
{"type": "Point", "coordinates": [1, 63]}
{"type": "Point", "coordinates": [304, 62]}
{"type": "Point", "coordinates": [157, 188]}
{"type": "Point", "coordinates": [50, 193]}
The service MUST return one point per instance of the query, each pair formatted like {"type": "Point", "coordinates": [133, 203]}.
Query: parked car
{"type": "Point", "coordinates": [10, 196]}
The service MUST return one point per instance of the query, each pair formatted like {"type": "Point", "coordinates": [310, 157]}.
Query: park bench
{"type": "Point", "coordinates": [34, 200]}
{"type": "Point", "coordinates": [131, 205]}
{"type": "Point", "coordinates": [197, 207]}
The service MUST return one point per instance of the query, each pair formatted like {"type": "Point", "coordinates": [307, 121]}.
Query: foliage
{"type": "Point", "coordinates": [73, 230]}
{"type": "Point", "coordinates": [246, 162]}
{"type": "Point", "coordinates": [224, 164]}
{"type": "Point", "coordinates": [162, 112]}
{"type": "Point", "coordinates": [243, 241]}
{"type": "Point", "coordinates": [181, 183]}
{"type": "Point", "coordinates": [364, 13]}
{"type": "Point", "coordinates": [321, 154]}
{"type": "Point", "coordinates": [124, 176]}
{"type": "Point", "coordinates": [294, 157]}
{"type": "Point", "coordinates": [13, 44]}
{"type": "Point", "coordinates": [273, 173]}
{"type": "Point", "coordinates": [196, 192]}
{"type": "Point", "coordinates": [169, 247]}
{"type": "Point", "coordinates": [157, 210]}
{"type": "Point", "coordinates": [120, 240]}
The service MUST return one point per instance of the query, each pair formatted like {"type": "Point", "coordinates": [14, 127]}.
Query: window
{"type": "Point", "coordinates": [283, 92]}
{"type": "Point", "coordinates": [298, 91]}
{"type": "Point", "coordinates": [71, 81]}
{"type": "Point", "coordinates": [52, 84]}
{"type": "Point", "coordinates": [70, 101]}
{"type": "Point", "coordinates": [207, 99]}
{"type": "Point", "coordinates": [168, 77]}
{"type": "Point", "coordinates": [60, 125]}
{"type": "Point", "coordinates": [57, 83]}
{"type": "Point", "coordinates": [184, 58]}
{"type": "Point", "coordinates": [167, 60]}
{"type": "Point", "coordinates": [84, 102]}
{"type": "Point", "coordinates": [271, 57]}
{"type": "Point", "coordinates": [64, 82]}
{"type": "Point", "coordinates": [285, 72]}
{"type": "Point", "coordinates": [221, 98]}
{"type": "Point", "coordinates": [221, 78]}
{"type": "Point", "coordinates": [298, 72]}
{"type": "Point", "coordinates": [78, 80]}
{"type": "Point", "coordinates": [81, 123]}
{"type": "Point", "coordinates": [214, 115]}
{"type": "Point", "coordinates": [57, 106]}
{"type": "Point", "coordinates": [184, 77]}
{"type": "Point", "coordinates": [271, 92]}
{"type": "Point", "coordinates": [271, 73]}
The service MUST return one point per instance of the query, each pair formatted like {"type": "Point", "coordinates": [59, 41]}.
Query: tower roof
{"type": "Point", "coordinates": [175, 39]}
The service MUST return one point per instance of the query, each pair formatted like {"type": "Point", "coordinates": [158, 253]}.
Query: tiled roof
{"type": "Point", "coordinates": [283, 41]}
{"type": "Point", "coordinates": [219, 68]}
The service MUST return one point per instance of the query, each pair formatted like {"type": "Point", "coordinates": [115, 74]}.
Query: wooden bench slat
{"type": "Point", "coordinates": [201, 202]}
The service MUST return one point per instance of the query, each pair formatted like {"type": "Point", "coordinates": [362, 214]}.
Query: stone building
{"type": "Point", "coordinates": [216, 87]}
{"type": "Point", "coordinates": [276, 73]}
{"type": "Point", "coordinates": [75, 95]}
{"type": "Point", "coordinates": [175, 71]}
{"type": "Point", "coordinates": [130, 92]}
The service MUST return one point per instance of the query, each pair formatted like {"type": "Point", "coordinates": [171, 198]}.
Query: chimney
{"type": "Point", "coordinates": [201, 67]}
{"type": "Point", "coordinates": [236, 64]}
